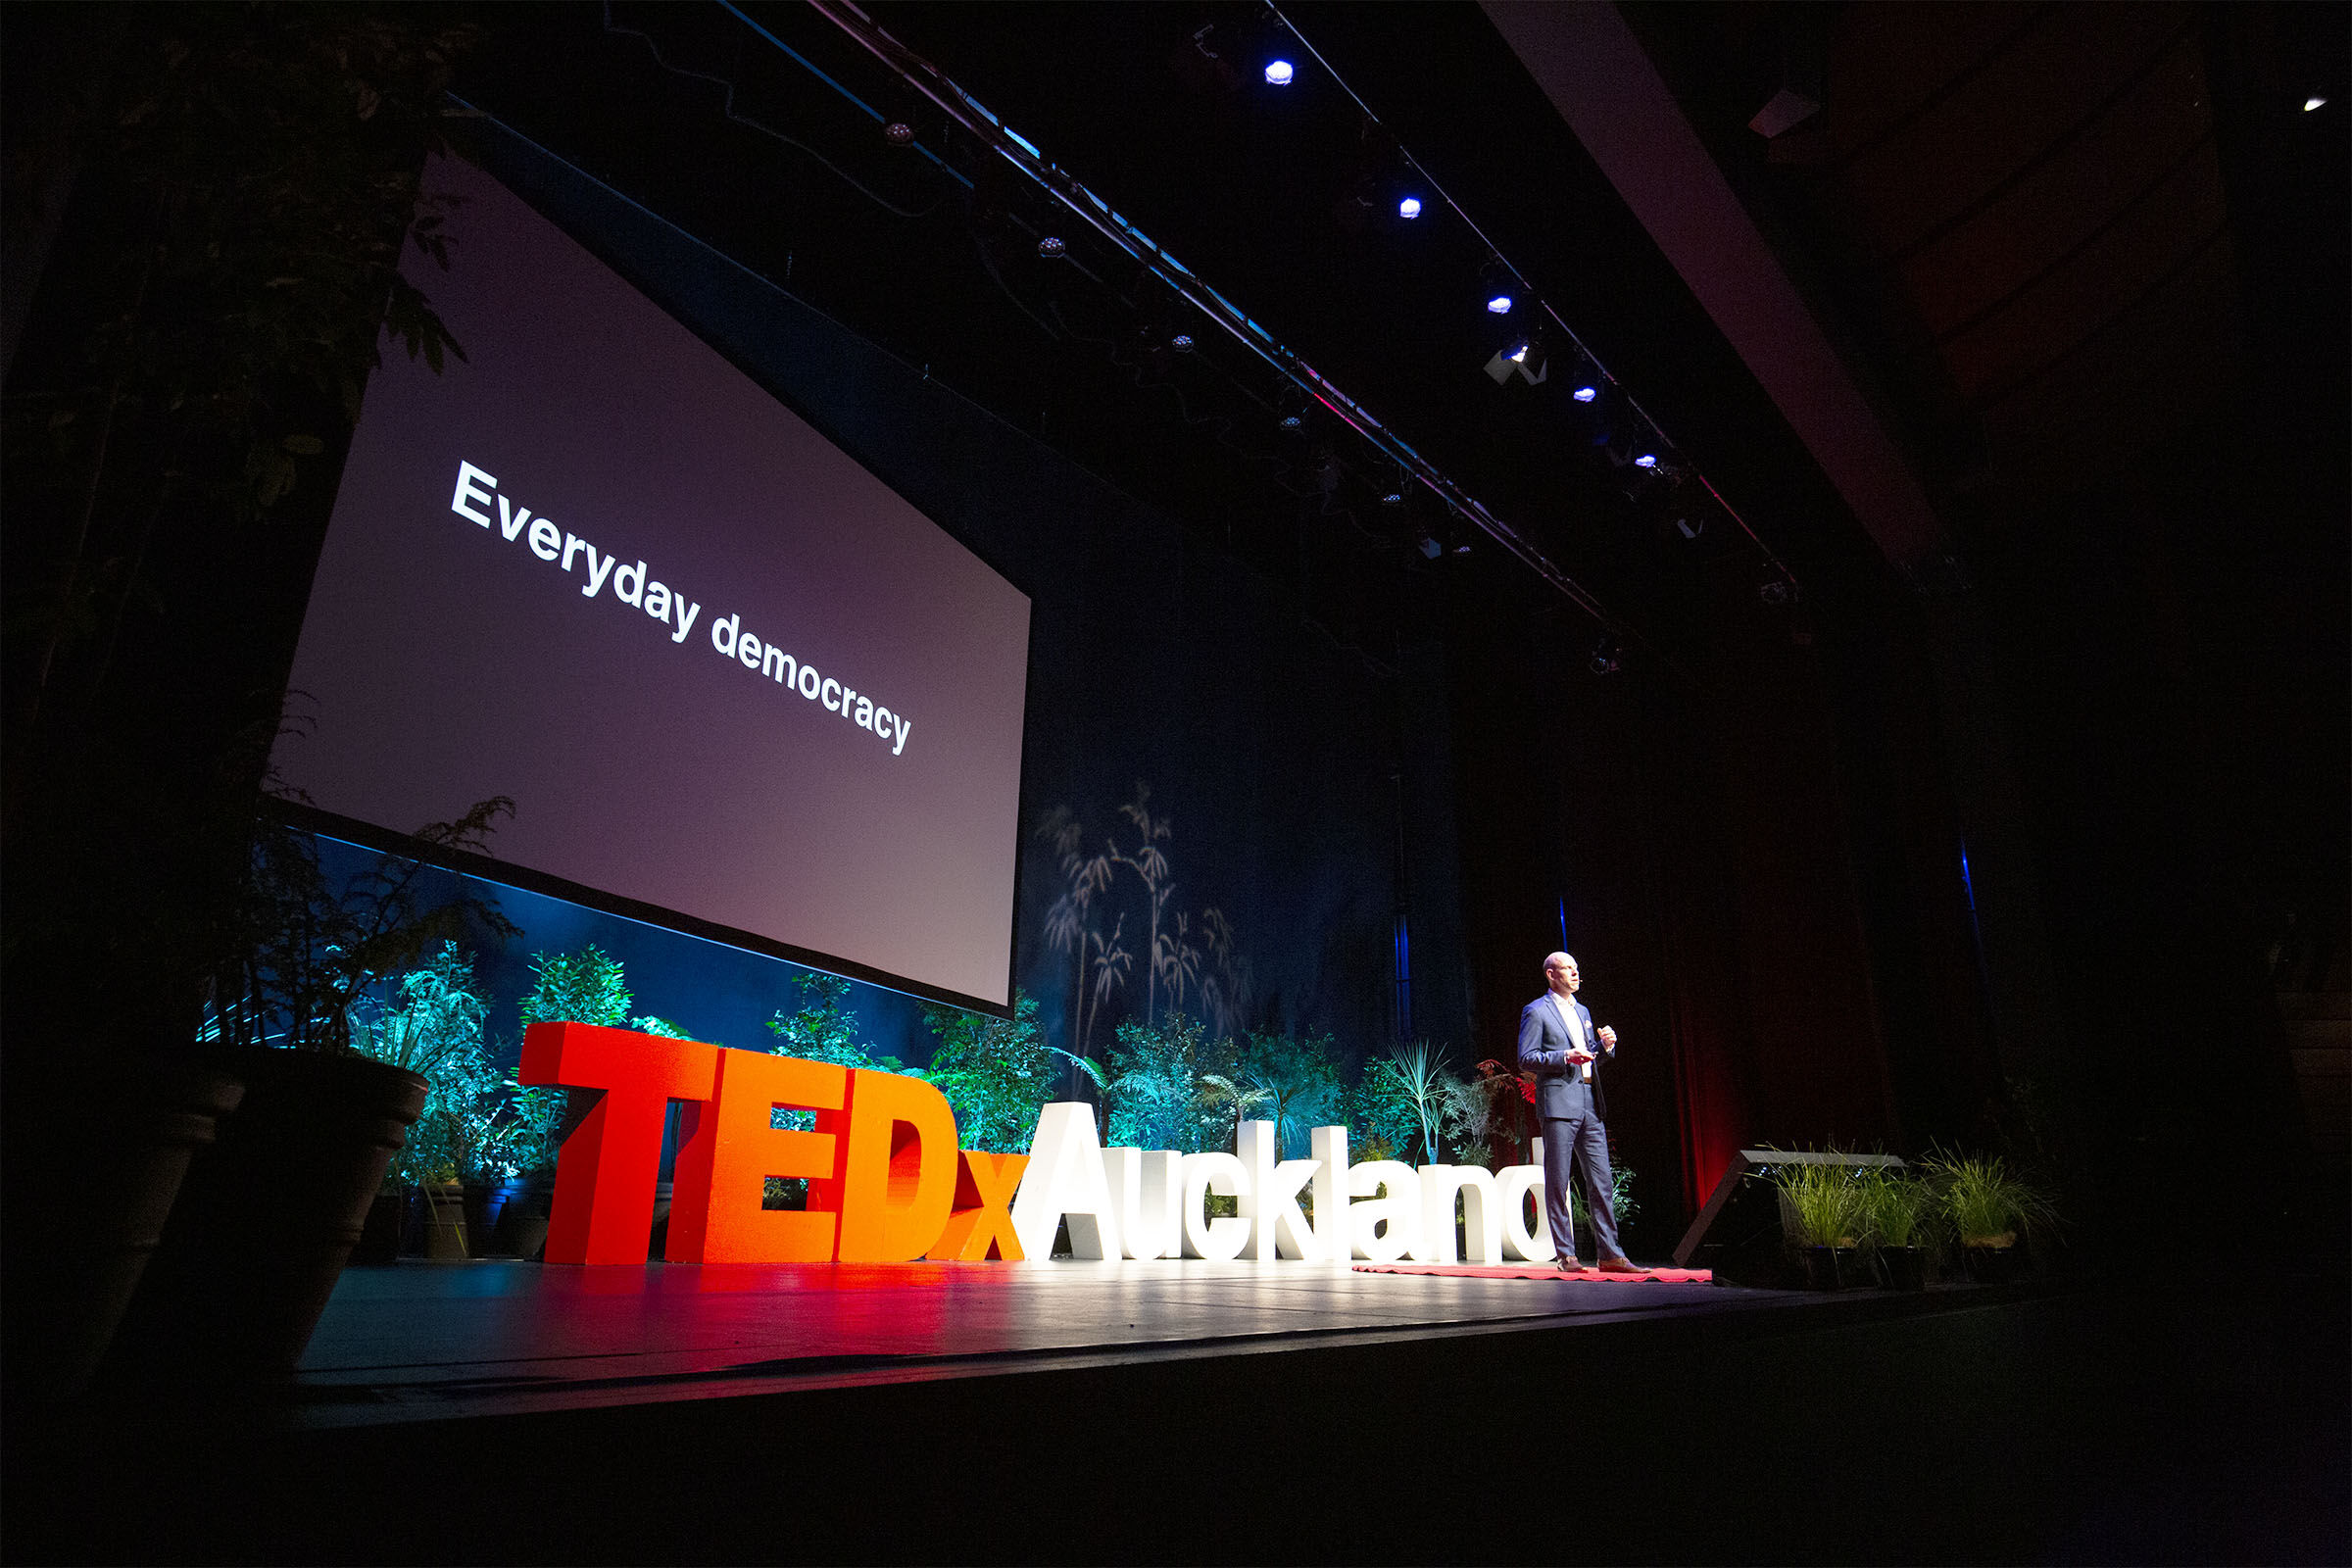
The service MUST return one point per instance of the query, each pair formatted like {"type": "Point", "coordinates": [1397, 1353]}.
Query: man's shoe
{"type": "Point", "coordinates": [1620, 1265]}
{"type": "Point", "coordinates": [1567, 1265]}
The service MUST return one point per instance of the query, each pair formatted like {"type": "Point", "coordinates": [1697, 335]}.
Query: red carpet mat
{"type": "Point", "coordinates": [1542, 1271]}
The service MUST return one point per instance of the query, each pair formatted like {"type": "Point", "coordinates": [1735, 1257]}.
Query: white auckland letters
{"type": "Point", "coordinates": [477, 489]}
{"type": "Point", "coordinates": [1151, 1204]}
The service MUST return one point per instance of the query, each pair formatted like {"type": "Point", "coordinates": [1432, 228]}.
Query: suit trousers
{"type": "Point", "coordinates": [1576, 1148]}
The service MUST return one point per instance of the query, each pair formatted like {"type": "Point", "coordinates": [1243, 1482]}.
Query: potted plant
{"type": "Point", "coordinates": [434, 1028]}
{"type": "Point", "coordinates": [1821, 1206]}
{"type": "Point", "coordinates": [1989, 1207]}
{"type": "Point", "coordinates": [1898, 1207]}
{"type": "Point", "coordinates": [269, 1214]}
{"type": "Point", "coordinates": [522, 1142]}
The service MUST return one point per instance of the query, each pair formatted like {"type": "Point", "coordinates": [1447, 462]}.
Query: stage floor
{"type": "Point", "coordinates": [422, 1340]}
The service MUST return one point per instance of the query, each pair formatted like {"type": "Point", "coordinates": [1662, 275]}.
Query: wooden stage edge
{"type": "Point", "coordinates": [425, 1341]}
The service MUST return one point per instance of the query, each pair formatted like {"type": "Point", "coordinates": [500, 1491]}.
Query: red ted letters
{"type": "Point", "coordinates": [885, 1177]}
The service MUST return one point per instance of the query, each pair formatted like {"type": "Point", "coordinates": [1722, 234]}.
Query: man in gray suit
{"type": "Point", "coordinates": [1558, 1043]}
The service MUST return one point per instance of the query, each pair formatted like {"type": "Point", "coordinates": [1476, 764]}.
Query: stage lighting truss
{"type": "Point", "coordinates": [1315, 389]}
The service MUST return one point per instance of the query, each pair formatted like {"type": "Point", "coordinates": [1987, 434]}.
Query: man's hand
{"type": "Point", "coordinates": [1608, 1036]}
{"type": "Point", "coordinates": [1577, 1056]}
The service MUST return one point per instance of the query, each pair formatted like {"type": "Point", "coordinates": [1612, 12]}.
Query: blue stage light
{"type": "Point", "coordinates": [1499, 305]}
{"type": "Point", "coordinates": [1279, 73]}
{"type": "Point", "coordinates": [1182, 342]}
{"type": "Point", "coordinates": [1585, 394]}
{"type": "Point", "coordinates": [1646, 460]}
{"type": "Point", "coordinates": [1410, 207]}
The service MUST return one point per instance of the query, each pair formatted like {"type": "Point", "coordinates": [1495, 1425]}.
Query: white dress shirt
{"type": "Point", "coordinates": [1576, 1030]}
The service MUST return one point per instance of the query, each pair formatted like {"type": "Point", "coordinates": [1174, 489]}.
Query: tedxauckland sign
{"type": "Point", "coordinates": [888, 1183]}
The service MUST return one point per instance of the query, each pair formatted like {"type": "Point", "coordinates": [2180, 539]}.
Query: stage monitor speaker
{"type": "Point", "coordinates": [1741, 1234]}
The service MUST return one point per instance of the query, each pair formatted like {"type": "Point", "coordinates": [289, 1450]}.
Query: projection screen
{"type": "Point", "coordinates": [725, 673]}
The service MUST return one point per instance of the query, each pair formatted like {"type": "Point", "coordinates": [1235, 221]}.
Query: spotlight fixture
{"type": "Point", "coordinates": [898, 133]}
{"type": "Point", "coordinates": [1462, 549]}
{"type": "Point", "coordinates": [1291, 421]}
{"type": "Point", "coordinates": [1690, 529]}
{"type": "Point", "coordinates": [1522, 357]}
{"type": "Point", "coordinates": [1585, 394]}
{"type": "Point", "coordinates": [1427, 543]}
{"type": "Point", "coordinates": [1772, 592]}
{"type": "Point", "coordinates": [1604, 656]}
{"type": "Point", "coordinates": [1394, 498]}
{"type": "Point", "coordinates": [1051, 248]}
{"type": "Point", "coordinates": [1648, 459]}
{"type": "Point", "coordinates": [1410, 207]}
{"type": "Point", "coordinates": [1182, 342]}
{"type": "Point", "coordinates": [1279, 73]}
{"type": "Point", "coordinates": [2314, 103]}
{"type": "Point", "coordinates": [1499, 283]}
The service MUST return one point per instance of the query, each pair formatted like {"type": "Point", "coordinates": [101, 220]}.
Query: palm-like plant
{"type": "Point", "coordinates": [1417, 1072]}
{"type": "Point", "coordinates": [1219, 1092]}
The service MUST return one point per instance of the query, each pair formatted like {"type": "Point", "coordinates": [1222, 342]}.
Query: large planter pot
{"type": "Point", "coordinates": [520, 1230]}
{"type": "Point", "coordinates": [268, 1218]}
{"type": "Point", "coordinates": [79, 1254]}
{"type": "Point", "coordinates": [1821, 1269]}
{"type": "Point", "coordinates": [442, 1208]}
{"type": "Point", "coordinates": [485, 1201]}
{"type": "Point", "coordinates": [380, 1232]}
{"type": "Point", "coordinates": [1906, 1267]}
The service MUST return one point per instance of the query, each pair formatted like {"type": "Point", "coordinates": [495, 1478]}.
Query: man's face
{"type": "Point", "coordinates": [1561, 972]}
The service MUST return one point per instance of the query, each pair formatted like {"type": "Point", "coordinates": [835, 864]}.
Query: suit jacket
{"type": "Point", "coordinates": [1543, 1051]}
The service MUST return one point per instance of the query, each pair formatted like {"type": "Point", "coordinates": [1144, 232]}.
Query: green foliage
{"type": "Point", "coordinates": [1986, 1201]}
{"type": "Point", "coordinates": [995, 1072]}
{"type": "Point", "coordinates": [298, 956]}
{"type": "Point", "coordinates": [1299, 1079]}
{"type": "Point", "coordinates": [1380, 1115]}
{"type": "Point", "coordinates": [1898, 1207]}
{"type": "Point", "coordinates": [1825, 1201]}
{"type": "Point", "coordinates": [663, 1028]}
{"type": "Point", "coordinates": [1231, 1102]}
{"type": "Point", "coordinates": [432, 1026]}
{"type": "Point", "coordinates": [1481, 1115]}
{"type": "Point", "coordinates": [1158, 1097]}
{"type": "Point", "coordinates": [823, 1029]}
{"type": "Point", "coordinates": [527, 1133]}
{"type": "Point", "coordinates": [1621, 1193]}
{"type": "Point", "coordinates": [583, 986]}
{"type": "Point", "coordinates": [437, 1017]}
{"type": "Point", "coordinates": [1410, 1086]}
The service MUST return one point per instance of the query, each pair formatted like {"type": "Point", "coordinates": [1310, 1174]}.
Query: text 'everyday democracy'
{"type": "Point", "coordinates": [729, 638]}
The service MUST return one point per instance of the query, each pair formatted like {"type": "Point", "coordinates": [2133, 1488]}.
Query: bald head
{"type": "Point", "coordinates": [1560, 974]}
